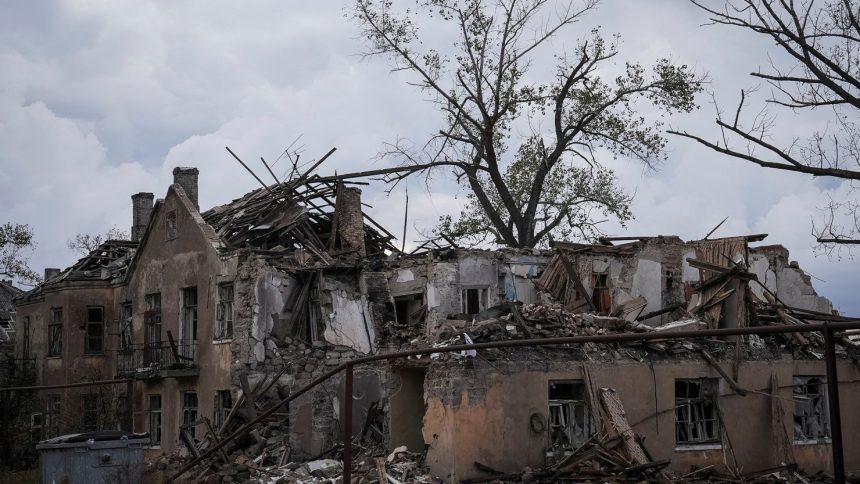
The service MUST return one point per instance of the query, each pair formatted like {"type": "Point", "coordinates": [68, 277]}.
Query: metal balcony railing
{"type": "Point", "coordinates": [146, 358]}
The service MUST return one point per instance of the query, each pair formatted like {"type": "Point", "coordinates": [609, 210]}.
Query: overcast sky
{"type": "Point", "coordinates": [101, 99]}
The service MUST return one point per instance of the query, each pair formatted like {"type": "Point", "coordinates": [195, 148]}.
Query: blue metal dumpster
{"type": "Point", "coordinates": [93, 458]}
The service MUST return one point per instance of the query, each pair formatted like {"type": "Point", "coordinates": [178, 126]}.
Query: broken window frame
{"type": "Point", "coordinates": [697, 420]}
{"type": "Point", "coordinates": [222, 407]}
{"type": "Point", "coordinates": [224, 312]}
{"type": "Point", "coordinates": [568, 416]}
{"type": "Point", "coordinates": [154, 419]}
{"type": "Point", "coordinates": [482, 299]}
{"type": "Point", "coordinates": [90, 412]}
{"type": "Point", "coordinates": [55, 333]}
{"type": "Point", "coordinates": [94, 334]}
{"type": "Point", "coordinates": [805, 424]}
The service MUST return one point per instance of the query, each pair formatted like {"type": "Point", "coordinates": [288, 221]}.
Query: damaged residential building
{"type": "Point", "coordinates": [213, 317]}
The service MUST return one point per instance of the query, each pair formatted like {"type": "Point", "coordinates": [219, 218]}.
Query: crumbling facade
{"type": "Point", "coordinates": [216, 316]}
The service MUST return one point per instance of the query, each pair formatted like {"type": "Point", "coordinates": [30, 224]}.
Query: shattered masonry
{"type": "Point", "coordinates": [220, 314]}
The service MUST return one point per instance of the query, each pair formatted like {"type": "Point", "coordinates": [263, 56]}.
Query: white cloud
{"type": "Point", "coordinates": [99, 100]}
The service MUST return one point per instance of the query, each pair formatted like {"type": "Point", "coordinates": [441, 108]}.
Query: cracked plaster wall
{"type": "Point", "coordinates": [346, 315]}
{"type": "Point", "coordinates": [789, 282]}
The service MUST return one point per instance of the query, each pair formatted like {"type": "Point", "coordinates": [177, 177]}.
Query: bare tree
{"type": "Point", "coordinates": [15, 239]}
{"type": "Point", "coordinates": [821, 40]}
{"type": "Point", "coordinates": [523, 189]}
{"type": "Point", "coordinates": [83, 244]}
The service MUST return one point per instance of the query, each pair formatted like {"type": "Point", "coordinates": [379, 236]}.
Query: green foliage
{"type": "Point", "coordinates": [526, 151]}
{"type": "Point", "coordinates": [15, 239]}
{"type": "Point", "coordinates": [570, 199]}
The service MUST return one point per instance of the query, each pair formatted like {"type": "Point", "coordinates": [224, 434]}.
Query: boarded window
{"type": "Point", "coordinates": [224, 318]}
{"type": "Point", "coordinates": [696, 419]}
{"type": "Point", "coordinates": [569, 418]}
{"type": "Point", "coordinates": [55, 333]}
{"type": "Point", "coordinates": [223, 404]}
{"type": "Point", "coordinates": [154, 419]}
{"type": "Point", "coordinates": [811, 414]}
{"type": "Point", "coordinates": [95, 331]}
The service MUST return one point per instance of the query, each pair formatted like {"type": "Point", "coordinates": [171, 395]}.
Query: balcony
{"type": "Point", "coordinates": [159, 360]}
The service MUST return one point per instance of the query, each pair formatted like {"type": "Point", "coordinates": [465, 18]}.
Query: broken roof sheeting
{"type": "Point", "coordinates": [108, 262]}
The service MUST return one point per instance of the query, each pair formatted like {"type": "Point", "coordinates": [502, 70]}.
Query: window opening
{"type": "Point", "coordinates": [696, 419]}
{"type": "Point", "coordinates": [224, 318]}
{"type": "Point", "coordinates": [94, 340]}
{"type": "Point", "coordinates": [155, 419]}
{"type": "Point", "coordinates": [811, 414]}
{"type": "Point", "coordinates": [569, 418]}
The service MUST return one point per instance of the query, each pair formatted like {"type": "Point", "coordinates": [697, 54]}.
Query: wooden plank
{"type": "Point", "coordinates": [572, 274]}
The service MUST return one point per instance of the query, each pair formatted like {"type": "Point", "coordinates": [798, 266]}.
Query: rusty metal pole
{"type": "Point", "coordinates": [347, 426]}
{"type": "Point", "coordinates": [833, 403]}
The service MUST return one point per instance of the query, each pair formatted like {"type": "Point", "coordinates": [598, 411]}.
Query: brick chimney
{"type": "Point", "coordinates": [141, 211]}
{"type": "Point", "coordinates": [51, 273]}
{"type": "Point", "coordinates": [186, 177]}
{"type": "Point", "coordinates": [351, 218]}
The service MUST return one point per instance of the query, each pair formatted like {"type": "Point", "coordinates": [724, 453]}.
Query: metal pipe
{"type": "Point", "coordinates": [605, 338]}
{"type": "Point", "coordinates": [614, 338]}
{"type": "Point", "coordinates": [833, 404]}
{"type": "Point", "coordinates": [67, 385]}
{"type": "Point", "coordinates": [347, 425]}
